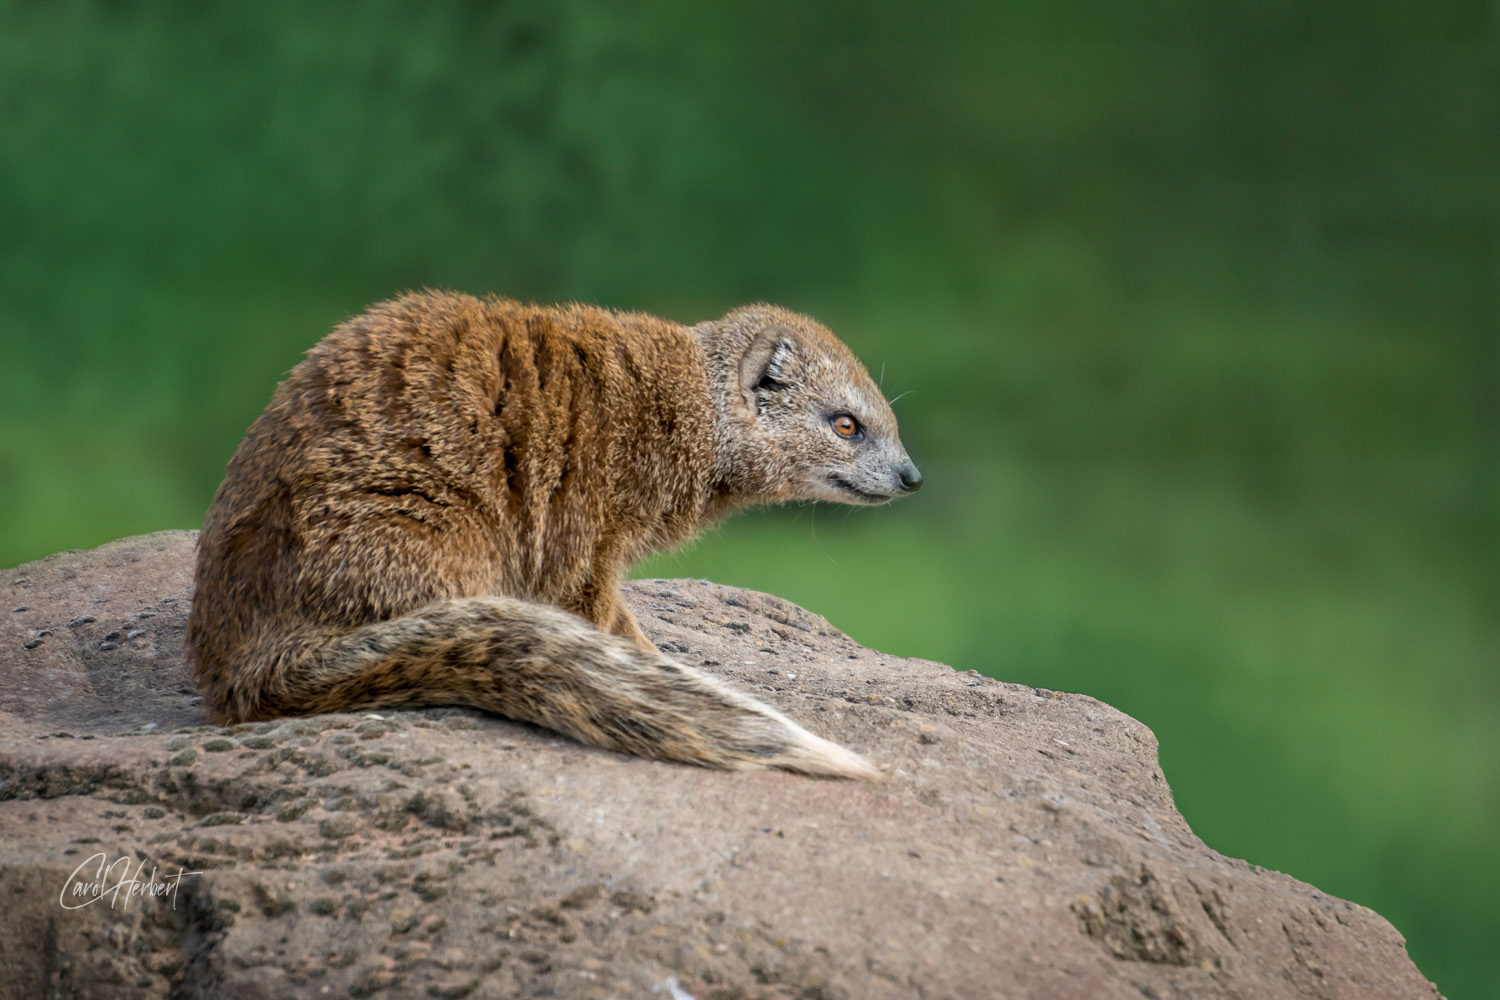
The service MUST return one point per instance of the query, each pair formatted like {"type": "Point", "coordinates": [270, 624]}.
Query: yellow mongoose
{"type": "Point", "coordinates": [438, 503]}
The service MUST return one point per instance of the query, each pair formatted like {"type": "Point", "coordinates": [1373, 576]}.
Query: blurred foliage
{"type": "Point", "coordinates": [1195, 307]}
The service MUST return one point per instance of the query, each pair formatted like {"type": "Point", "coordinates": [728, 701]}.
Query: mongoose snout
{"type": "Point", "coordinates": [439, 502]}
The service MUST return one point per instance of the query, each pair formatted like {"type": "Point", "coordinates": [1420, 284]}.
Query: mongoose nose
{"type": "Point", "coordinates": [911, 479]}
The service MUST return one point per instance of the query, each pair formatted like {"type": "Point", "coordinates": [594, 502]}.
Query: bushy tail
{"type": "Point", "coordinates": [538, 664]}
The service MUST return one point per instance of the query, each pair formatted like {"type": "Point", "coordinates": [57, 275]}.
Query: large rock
{"type": "Point", "coordinates": [1025, 844]}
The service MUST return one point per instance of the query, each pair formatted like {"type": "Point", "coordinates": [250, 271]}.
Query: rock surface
{"type": "Point", "coordinates": [1025, 844]}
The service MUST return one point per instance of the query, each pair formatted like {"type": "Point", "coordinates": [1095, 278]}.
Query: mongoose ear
{"type": "Point", "coordinates": [765, 362]}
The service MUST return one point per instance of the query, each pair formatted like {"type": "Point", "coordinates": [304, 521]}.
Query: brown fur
{"type": "Point", "coordinates": [439, 502]}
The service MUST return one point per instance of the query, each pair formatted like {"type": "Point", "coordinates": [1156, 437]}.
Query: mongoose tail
{"type": "Point", "coordinates": [539, 664]}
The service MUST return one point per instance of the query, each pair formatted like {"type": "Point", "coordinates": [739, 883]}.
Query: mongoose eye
{"type": "Point", "coordinates": [846, 426]}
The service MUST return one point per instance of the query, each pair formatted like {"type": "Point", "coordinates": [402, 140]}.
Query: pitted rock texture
{"type": "Point", "coordinates": [1025, 843]}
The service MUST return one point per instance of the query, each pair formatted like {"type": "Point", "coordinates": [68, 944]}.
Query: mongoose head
{"type": "Point", "coordinates": [799, 418]}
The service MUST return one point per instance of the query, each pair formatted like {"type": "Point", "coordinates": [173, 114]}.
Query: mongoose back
{"type": "Point", "coordinates": [438, 504]}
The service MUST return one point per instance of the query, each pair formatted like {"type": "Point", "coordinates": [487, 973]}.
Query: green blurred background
{"type": "Point", "coordinates": [1194, 308]}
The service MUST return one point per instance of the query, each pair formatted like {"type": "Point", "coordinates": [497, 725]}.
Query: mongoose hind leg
{"type": "Point", "coordinates": [536, 663]}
